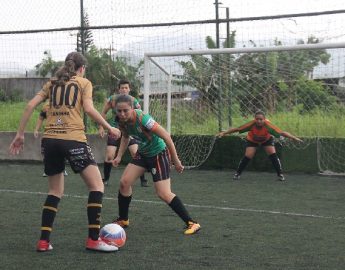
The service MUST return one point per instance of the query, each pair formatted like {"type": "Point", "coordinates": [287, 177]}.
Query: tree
{"type": "Point", "coordinates": [87, 34]}
{"type": "Point", "coordinates": [253, 80]}
{"type": "Point", "coordinates": [48, 66]}
{"type": "Point", "coordinates": [200, 71]}
{"type": "Point", "coordinates": [105, 71]}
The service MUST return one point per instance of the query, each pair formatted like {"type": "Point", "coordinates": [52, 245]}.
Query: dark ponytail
{"type": "Point", "coordinates": [73, 62]}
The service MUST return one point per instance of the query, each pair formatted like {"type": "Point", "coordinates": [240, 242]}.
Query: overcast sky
{"type": "Point", "coordinates": [27, 49]}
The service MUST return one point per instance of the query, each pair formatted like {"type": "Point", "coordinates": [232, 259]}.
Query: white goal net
{"type": "Point", "coordinates": [301, 88]}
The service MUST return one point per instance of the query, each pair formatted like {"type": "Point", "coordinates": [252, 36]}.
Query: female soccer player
{"type": "Point", "coordinates": [260, 133]}
{"type": "Point", "coordinates": [124, 88]}
{"type": "Point", "coordinates": [39, 123]}
{"type": "Point", "coordinates": [64, 138]}
{"type": "Point", "coordinates": [155, 148]}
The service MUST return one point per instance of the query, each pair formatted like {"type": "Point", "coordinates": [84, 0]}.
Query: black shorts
{"type": "Point", "coordinates": [158, 165]}
{"type": "Point", "coordinates": [269, 142]}
{"type": "Point", "coordinates": [116, 142]}
{"type": "Point", "coordinates": [55, 151]}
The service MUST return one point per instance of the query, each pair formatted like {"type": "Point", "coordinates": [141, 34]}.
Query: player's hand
{"type": "Point", "coordinates": [298, 139]}
{"type": "Point", "coordinates": [178, 166]}
{"type": "Point", "coordinates": [36, 133]}
{"type": "Point", "coordinates": [220, 134]}
{"type": "Point", "coordinates": [17, 145]}
{"type": "Point", "coordinates": [116, 161]}
{"type": "Point", "coordinates": [114, 133]}
{"type": "Point", "coordinates": [101, 131]}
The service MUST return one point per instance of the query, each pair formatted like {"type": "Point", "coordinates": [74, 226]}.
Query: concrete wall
{"type": "Point", "coordinates": [28, 87]}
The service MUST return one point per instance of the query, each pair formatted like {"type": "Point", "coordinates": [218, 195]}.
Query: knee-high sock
{"type": "Point", "coordinates": [178, 207]}
{"type": "Point", "coordinates": [48, 215]}
{"type": "Point", "coordinates": [142, 178]}
{"type": "Point", "coordinates": [106, 170]}
{"type": "Point", "coordinates": [94, 208]}
{"type": "Point", "coordinates": [123, 205]}
{"type": "Point", "coordinates": [243, 164]}
{"type": "Point", "coordinates": [276, 163]}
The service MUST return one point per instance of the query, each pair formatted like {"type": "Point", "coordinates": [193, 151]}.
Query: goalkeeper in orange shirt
{"type": "Point", "coordinates": [261, 132]}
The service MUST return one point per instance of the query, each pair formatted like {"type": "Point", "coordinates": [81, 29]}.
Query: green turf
{"type": "Point", "coordinates": [254, 223]}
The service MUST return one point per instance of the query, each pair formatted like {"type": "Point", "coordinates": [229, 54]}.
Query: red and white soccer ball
{"type": "Point", "coordinates": [113, 234]}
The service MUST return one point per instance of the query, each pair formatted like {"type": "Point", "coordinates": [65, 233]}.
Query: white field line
{"type": "Point", "coordinates": [189, 205]}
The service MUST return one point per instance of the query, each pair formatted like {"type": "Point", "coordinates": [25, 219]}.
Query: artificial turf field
{"type": "Point", "coordinates": [254, 223]}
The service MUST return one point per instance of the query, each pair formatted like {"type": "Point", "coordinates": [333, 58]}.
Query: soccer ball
{"type": "Point", "coordinates": [113, 234]}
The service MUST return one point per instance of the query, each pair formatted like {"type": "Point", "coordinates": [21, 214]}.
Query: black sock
{"type": "Point", "coordinates": [142, 178]}
{"type": "Point", "coordinates": [94, 208]}
{"type": "Point", "coordinates": [177, 205]}
{"type": "Point", "coordinates": [123, 205]}
{"type": "Point", "coordinates": [106, 170]}
{"type": "Point", "coordinates": [48, 216]}
{"type": "Point", "coordinates": [276, 163]}
{"type": "Point", "coordinates": [243, 164]}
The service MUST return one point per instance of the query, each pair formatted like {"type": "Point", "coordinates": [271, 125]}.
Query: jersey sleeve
{"type": "Point", "coordinates": [148, 122]}
{"type": "Point", "coordinates": [87, 93]}
{"type": "Point", "coordinates": [246, 127]}
{"type": "Point", "coordinates": [44, 92]}
{"type": "Point", "coordinates": [272, 129]}
{"type": "Point", "coordinates": [136, 104]}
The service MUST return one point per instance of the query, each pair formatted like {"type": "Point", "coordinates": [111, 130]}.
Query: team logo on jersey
{"type": "Point", "coordinates": [150, 123]}
{"type": "Point", "coordinates": [153, 171]}
{"type": "Point", "coordinates": [59, 121]}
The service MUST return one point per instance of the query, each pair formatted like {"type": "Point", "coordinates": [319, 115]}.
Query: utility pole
{"type": "Point", "coordinates": [216, 3]}
{"type": "Point", "coordinates": [82, 44]}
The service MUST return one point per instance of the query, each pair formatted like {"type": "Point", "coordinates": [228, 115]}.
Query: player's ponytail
{"type": "Point", "coordinates": [73, 62]}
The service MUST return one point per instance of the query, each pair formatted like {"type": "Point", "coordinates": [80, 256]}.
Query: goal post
{"type": "Point", "coordinates": [197, 93]}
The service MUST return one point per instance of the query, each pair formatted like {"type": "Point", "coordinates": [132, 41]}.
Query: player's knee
{"type": "Point", "coordinates": [165, 196]}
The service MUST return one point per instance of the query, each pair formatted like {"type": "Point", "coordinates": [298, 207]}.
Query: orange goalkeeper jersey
{"type": "Point", "coordinates": [261, 134]}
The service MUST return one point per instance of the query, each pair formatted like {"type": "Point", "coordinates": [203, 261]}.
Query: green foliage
{"type": "Point", "coordinates": [312, 94]}
{"type": "Point", "coordinates": [105, 72]}
{"type": "Point", "coordinates": [3, 95]}
{"type": "Point", "coordinates": [100, 95]}
{"type": "Point", "coordinates": [86, 34]}
{"type": "Point", "coordinates": [48, 66]}
{"type": "Point", "coordinates": [271, 81]}
{"type": "Point", "coordinates": [15, 95]}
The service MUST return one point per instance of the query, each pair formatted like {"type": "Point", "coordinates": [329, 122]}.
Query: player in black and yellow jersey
{"type": "Point", "coordinates": [39, 123]}
{"type": "Point", "coordinates": [69, 94]}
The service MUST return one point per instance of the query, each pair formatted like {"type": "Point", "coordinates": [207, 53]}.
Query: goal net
{"type": "Point", "coordinates": [301, 88]}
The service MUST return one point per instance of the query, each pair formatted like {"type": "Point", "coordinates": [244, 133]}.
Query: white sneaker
{"type": "Point", "coordinates": [65, 173]}
{"type": "Point", "coordinates": [100, 245]}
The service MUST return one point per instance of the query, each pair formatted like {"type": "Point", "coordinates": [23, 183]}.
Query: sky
{"type": "Point", "coordinates": [25, 50]}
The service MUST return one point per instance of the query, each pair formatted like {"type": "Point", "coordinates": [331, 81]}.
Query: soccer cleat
{"type": "Point", "coordinates": [44, 175]}
{"type": "Point", "coordinates": [237, 176]}
{"type": "Point", "coordinates": [43, 245]}
{"type": "Point", "coordinates": [281, 177]}
{"type": "Point", "coordinates": [144, 183]}
{"type": "Point", "coordinates": [100, 245]}
{"type": "Point", "coordinates": [124, 223]}
{"type": "Point", "coordinates": [192, 228]}
{"type": "Point", "coordinates": [65, 173]}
